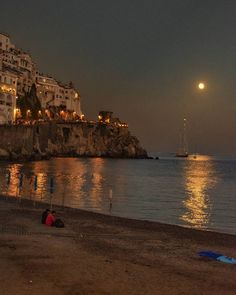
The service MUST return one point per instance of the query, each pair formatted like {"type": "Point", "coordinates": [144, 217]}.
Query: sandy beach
{"type": "Point", "coordinates": [98, 254]}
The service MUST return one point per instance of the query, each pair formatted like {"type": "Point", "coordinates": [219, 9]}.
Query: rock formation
{"type": "Point", "coordinates": [80, 139]}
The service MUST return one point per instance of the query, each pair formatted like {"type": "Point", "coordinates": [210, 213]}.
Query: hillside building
{"type": "Point", "coordinates": [58, 98]}
{"type": "Point", "coordinates": [5, 42]}
{"type": "Point", "coordinates": [8, 84]}
{"type": "Point", "coordinates": [55, 97]}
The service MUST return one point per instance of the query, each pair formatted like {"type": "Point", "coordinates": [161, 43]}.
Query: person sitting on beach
{"type": "Point", "coordinates": [50, 220]}
{"type": "Point", "coordinates": [44, 216]}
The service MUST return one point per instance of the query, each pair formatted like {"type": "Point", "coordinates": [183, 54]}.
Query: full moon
{"type": "Point", "coordinates": [201, 86]}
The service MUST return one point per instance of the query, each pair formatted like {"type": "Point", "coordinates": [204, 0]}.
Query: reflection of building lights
{"type": "Point", "coordinates": [14, 171]}
{"type": "Point", "coordinates": [97, 181]}
{"type": "Point", "coordinates": [99, 117]}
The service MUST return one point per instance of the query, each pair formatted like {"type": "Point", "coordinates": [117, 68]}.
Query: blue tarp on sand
{"type": "Point", "coordinates": [217, 256]}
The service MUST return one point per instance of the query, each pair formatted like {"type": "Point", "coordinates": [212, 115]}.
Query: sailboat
{"type": "Point", "coordinates": [183, 148]}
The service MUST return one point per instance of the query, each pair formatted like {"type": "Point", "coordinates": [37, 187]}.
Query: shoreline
{"type": "Point", "coordinates": [74, 211]}
{"type": "Point", "coordinates": [102, 254]}
{"type": "Point", "coordinates": [39, 157]}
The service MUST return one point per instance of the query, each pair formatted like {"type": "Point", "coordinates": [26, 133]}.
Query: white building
{"type": "Point", "coordinates": [5, 42]}
{"type": "Point", "coordinates": [27, 69]}
{"type": "Point", "coordinates": [55, 94]}
{"type": "Point", "coordinates": [46, 89]}
{"type": "Point", "coordinates": [21, 62]}
{"type": "Point", "coordinates": [8, 83]}
{"type": "Point", "coordinates": [50, 92]}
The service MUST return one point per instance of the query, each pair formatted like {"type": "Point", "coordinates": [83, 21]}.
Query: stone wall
{"type": "Point", "coordinates": [68, 139]}
{"type": "Point", "coordinates": [16, 141]}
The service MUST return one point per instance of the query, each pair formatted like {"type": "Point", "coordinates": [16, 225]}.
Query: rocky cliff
{"type": "Point", "coordinates": [68, 139]}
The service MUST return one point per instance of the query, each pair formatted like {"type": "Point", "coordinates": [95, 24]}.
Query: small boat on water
{"type": "Point", "coordinates": [181, 155]}
{"type": "Point", "coordinates": [183, 147]}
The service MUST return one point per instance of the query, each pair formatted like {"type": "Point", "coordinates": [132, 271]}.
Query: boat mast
{"type": "Point", "coordinates": [183, 149]}
{"type": "Point", "coordinates": [185, 143]}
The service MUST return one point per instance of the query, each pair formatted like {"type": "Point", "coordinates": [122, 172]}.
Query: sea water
{"type": "Point", "coordinates": [193, 192]}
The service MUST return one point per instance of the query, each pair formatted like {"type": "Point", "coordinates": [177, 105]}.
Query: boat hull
{"type": "Point", "coordinates": [182, 156]}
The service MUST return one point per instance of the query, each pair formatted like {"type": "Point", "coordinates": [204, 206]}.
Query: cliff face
{"type": "Point", "coordinates": [16, 142]}
{"type": "Point", "coordinates": [75, 139]}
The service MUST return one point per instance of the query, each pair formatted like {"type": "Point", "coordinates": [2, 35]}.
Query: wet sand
{"type": "Point", "coordinates": [98, 254]}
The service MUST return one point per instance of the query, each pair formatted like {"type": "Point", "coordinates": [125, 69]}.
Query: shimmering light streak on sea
{"type": "Point", "coordinates": [199, 178]}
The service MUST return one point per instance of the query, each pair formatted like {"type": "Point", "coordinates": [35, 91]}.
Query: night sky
{"type": "Point", "coordinates": [142, 60]}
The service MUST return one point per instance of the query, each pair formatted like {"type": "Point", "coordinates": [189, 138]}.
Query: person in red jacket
{"type": "Point", "coordinates": [50, 220]}
{"type": "Point", "coordinates": [44, 216]}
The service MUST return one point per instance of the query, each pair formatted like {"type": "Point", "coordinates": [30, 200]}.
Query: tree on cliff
{"type": "Point", "coordinates": [30, 101]}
